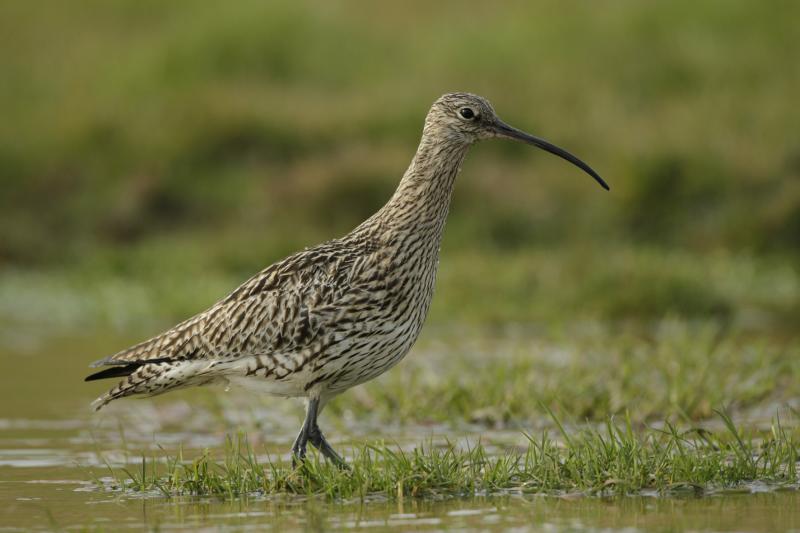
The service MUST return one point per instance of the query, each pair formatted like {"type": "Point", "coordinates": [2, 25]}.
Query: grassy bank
{"type": "Point", "coordinates": [189, 120]}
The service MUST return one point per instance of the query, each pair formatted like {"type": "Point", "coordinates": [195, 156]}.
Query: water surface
{"type": "Point", "coordinates": [53, 449]}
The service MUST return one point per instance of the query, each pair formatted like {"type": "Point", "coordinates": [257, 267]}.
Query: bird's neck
{"type": "Point", "coordinates": [422, 199]}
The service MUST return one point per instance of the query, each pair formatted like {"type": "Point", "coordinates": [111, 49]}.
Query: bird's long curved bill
{"type": "Point", "coordinates": [513, 133]}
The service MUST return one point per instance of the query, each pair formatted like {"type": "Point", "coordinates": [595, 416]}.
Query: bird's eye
{"type": "Point", "coordinates": [466, 113]}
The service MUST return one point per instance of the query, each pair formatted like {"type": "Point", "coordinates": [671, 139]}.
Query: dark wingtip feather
{"type": "Point", "coordinates": [120, 368]}
{"type": "Point", "coordinates": [114, 372]}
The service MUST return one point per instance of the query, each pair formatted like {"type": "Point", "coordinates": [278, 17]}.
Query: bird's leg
{"type": "Point", "coordinates": [299, 446]}
{"type": "Point", "coordinates": [310, 432]}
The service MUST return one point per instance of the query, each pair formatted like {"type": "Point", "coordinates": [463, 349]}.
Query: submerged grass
{"type": "Point", "coordinates": [612, 459]}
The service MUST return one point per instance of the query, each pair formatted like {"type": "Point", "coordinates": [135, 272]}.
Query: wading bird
{"type": "Point", "coordinates": [335, 315]}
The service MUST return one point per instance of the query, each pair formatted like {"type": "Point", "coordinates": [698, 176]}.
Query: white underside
{"type": "Point", "coordinates": [266, 386]}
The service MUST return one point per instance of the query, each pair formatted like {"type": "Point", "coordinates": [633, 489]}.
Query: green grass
{"type": "Point", "coordinates": [614, 459]}
{"type": "Point", "coordinates": [674, 369]}
{"type": "Point", "coordinates": [191, 145]}
{"type": "Point", "coordinates": [589, 332]}
{"type": "Point", "coordinates": [188, 145]}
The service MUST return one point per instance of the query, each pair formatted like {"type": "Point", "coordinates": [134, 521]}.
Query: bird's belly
{"type": "Point", "coordinates": [367, 358]}
{"type": "Point", "coordinates": [241, 373]}
{"type": "Point", "coordinates": [385, 340]}
{"type": "Point", "coordinates": [349, 354]}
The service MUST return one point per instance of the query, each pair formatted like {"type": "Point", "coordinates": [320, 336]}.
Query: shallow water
{"type": "Point", "coordinates": [52, 449]}
{"type": "Point", "coordinates": [67, 504]}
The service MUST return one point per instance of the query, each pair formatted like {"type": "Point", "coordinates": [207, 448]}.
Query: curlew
{"type": "Point", "coordinates": [336, 315]}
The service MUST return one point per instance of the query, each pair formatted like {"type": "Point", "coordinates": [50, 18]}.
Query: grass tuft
{"type": "Point", "coordinates": [613, 459]}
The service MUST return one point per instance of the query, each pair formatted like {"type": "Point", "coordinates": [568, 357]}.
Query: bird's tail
{"type": "Point", "coordinates": [125, 387]}
{"type": "Point", "coordinates": [152, 377]}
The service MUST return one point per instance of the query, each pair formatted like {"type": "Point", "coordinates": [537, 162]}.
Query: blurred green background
{"type": "Point", "coordinates": [154, 154]}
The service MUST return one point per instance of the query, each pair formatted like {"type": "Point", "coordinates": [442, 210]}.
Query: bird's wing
{"type": "Point", "coordinates": [282, 309]}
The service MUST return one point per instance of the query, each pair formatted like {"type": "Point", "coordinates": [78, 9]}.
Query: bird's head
{"type": "Point", "coordinates": [464, 118]}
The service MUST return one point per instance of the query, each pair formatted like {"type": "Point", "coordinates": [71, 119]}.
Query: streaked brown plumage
{"type": "Point", "coordinates": [335, 315]}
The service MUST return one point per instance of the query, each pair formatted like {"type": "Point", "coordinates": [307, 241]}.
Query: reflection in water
{"type": "Point", "coordinates": [63, 505]}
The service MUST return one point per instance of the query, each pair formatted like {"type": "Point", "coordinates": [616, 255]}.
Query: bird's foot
{"type": "Point", "coordinates": [317, 439]}
{"type": "Point", "coordinates": [310, 432]}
